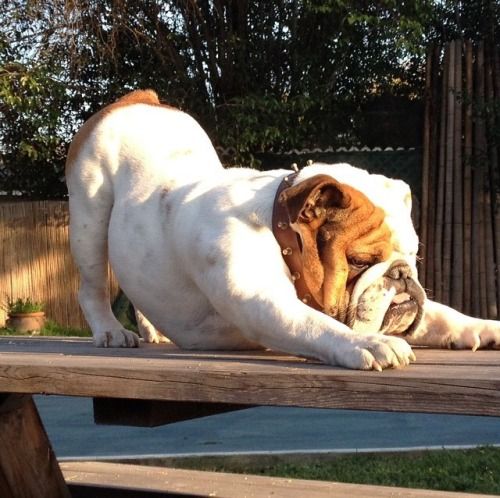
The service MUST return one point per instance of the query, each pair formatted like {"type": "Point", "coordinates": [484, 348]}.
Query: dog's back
{"type": "Point", "coordinates": [137, 139]}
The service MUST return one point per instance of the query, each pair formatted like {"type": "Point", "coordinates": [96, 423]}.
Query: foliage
{"type": "Point", "coordinates": [31, 135]}
{"type": "Point", "coordinates": [258, 75]}
{"type": "Point", "coordinates": [21, 305]}
{"type": "Point", "coordinates": [472, 19]}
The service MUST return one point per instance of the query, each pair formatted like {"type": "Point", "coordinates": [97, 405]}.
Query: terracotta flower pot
{"type": "Point", "coordinates": [26, 323]}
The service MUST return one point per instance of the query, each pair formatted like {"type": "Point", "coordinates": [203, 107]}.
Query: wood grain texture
{"type": "Point", "coordinates": [457, 251]}
{"type": "Point", "coordinates": [448, 176]}
{"type": "Point", "coordinates": [467, 179]}
{"type": "Point", "coordinates": [429, 259]}
{"type": "Point", "coordinates": [440, 181]}
{"type": "Point", "coordinates": [440, 381]}
{"type": "Point", "coordinates": [28, 466]}
{"type": "Point", "coordinates": [177, 482]}
{"type": "Point", "coordinates": [426, 161]}
{"type": "Point", "coordinates": [478, 209]}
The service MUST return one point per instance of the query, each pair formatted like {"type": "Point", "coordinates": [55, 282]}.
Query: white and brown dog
{"type": "Point", "coordinates": [319, 263]}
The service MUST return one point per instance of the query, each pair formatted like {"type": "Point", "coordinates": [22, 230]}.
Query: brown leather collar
{"type": "Point", "coordinates": [290, 244]}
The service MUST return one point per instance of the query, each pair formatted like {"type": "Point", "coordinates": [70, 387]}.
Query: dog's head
{"type": "Point", "coordinates": [358, 247]}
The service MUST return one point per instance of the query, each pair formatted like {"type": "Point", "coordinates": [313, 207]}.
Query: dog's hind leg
{"type": "Point", "coordinates": [90, 205]}
{"type": "Point", "coordinates": [148, 331]}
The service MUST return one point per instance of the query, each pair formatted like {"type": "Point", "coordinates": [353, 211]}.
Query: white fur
{"type": "Point", "coordinates": [192, 247]}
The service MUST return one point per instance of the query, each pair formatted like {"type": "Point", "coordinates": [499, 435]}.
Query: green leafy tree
{"type": "Point", "coordinates": [258, 75]}
{"type": "Point", "coordinates": [32, 139]}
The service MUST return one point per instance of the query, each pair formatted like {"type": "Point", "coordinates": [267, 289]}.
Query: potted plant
{"type": "Point", "coordinates": [24, 315]}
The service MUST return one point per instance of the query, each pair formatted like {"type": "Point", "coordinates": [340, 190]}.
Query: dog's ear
{"type": "Point", "coordinates": [312, 200]}
{"type": "Point", "coordinates": [312, 203]}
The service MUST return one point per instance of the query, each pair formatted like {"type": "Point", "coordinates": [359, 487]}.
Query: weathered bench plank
{"type": "Point", "coordinates": [97, 479]}
{"type": "Point", "coordinates": [151, 413]}
{"type": "Point", "coordinates": [28, 466]}
{"type": "Point", "coordinates": [439, 382]}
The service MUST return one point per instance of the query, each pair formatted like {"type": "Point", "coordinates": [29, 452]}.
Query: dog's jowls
{"type": "Point", "coordinates": [192, 247]}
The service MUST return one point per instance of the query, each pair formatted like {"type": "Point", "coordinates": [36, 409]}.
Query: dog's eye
{"type": "Point", "coordinates": [357, 264]}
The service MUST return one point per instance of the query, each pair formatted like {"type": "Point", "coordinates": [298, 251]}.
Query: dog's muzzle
{"type": "Point", "coordinates": [392, 304]}
{"type": "Point", "coordinates": [406, 308]}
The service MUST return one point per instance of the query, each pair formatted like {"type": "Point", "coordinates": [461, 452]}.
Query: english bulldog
{"type": "Point", "coordinates": [319, 263]}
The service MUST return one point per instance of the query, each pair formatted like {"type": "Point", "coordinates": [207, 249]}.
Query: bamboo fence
{"type": "Point", "coordinates": [35, 259]}
{"type": "Point", "coordinates": [460, 220]}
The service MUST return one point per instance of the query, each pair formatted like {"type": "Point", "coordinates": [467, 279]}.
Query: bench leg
{"type": "Point", "coordinates": [28, 466]}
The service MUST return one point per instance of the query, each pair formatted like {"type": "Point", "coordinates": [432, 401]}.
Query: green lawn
{"type": "Point", "coordinates": [474, 471]}
{"type": "Point", "coordinates": [53, 329]}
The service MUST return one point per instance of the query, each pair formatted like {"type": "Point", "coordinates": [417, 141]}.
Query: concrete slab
{"type": "Point", "coordinates": [69, 422]}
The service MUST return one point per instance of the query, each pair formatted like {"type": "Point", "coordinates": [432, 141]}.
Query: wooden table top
{"type": "Point", "coordinates": [441, 381]}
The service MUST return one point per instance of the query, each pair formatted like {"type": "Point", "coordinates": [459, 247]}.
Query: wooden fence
{"type": "Point", "coordinates": [460, 224]}
{"type": "Point", "coordinates": [35, 259]}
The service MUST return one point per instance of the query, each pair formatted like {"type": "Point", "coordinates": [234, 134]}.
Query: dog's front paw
{"type": "Point", "coordinates": [376, 352]}
{"type": "Point", "coordinates": [486, 335]}
{"type": "Point", "coordinates": [116, 338]}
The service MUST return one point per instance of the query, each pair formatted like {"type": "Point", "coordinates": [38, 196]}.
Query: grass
{"type": "Point", "coordinates": [473, 471]}
{"type": "Point", "coordinates": [53, 329]}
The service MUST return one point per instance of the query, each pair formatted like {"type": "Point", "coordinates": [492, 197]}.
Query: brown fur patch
{"type": "Point", "coordinates": [148, 97]}
{"type": "Point", "coordinates": [339, 226]}
{"type": "Point", "coordinates": [139, 97]}
{"type": "Point", "coordinates": [357, 234]}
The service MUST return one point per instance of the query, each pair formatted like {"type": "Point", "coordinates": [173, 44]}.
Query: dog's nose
{"type": "Point", "coordinates": [399, 270]}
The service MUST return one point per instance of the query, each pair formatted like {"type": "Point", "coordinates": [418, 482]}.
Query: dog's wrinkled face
{"type": "Point", "coordinates": [352, 261]}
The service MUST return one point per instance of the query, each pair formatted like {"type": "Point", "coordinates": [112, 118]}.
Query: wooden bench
{"type": "Point", "coordinates": [159, 384]}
